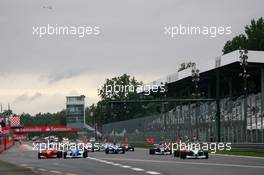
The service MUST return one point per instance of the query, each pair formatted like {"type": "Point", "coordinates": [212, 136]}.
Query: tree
{"type": "Point", "coordinates": [122, 87]}
{"type": "Point", "coordinates": [253, 40]}
{"type": "Point", "coordinates": [45, 119]}
{"type": "Point", "coordinates": [119, 88]}
{"type": "Point", "coordinates": [238, 42]}
{"type": "Point", "coordinates": [255, 35]}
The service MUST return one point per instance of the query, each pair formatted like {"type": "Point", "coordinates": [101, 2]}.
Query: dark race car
{"type": "Point", "coordinates": [129, 148]}
{"type": "Point", "coordinates": [115, 149]}
{"type": "Point", "coordinates": [50, 153]}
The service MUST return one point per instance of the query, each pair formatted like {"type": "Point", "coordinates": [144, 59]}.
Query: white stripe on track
{"type": "Point", "coordinates": [124, 166]}
{"type": "Point", "coordinates": [191, 163]}
{"type": "Point", "coordinates": [152, 172]}
{"type": "Point", "coordinates": [41, 169]}
{"type": "Point", "coordinates": [54, 171]}
{"type": "Point", "coordinates": [23, 164]}
{"type": "Point", "coordinates": [137, 169]}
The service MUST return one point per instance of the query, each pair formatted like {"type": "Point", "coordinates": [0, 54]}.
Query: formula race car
{"type": "Point", "coordinates": [191, 154]}
{"type": "Point", "coordinates": [115, 149]}
{"type": "Point", "coordinates": [50, 153]}
{"type": "Point", "coordinates": [103, 146]}
{"type": "Point", "coordinates": [129, 148]}
{"type": "Point", "coordinates": [75, 153]}
{"type": "Point", "coordinates": [160, 149]}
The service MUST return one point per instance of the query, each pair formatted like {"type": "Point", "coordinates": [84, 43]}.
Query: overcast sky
{"type": "Point", "coordinates": [37, 73]}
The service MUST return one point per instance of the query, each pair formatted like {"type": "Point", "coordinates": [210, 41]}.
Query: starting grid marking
{"type": "Point", "coordinates": [41, 169]}
{"type": "Point", "coordinates": [124, 166]}
{"type": "Point", "coordinates": [191, 163]}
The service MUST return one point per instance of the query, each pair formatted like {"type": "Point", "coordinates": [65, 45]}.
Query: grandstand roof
{"type": "Point", "coordinates": [221, 61]}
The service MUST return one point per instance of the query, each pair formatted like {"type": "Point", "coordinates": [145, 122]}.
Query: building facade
{"type": "Point", "coordinates": [75, 106]}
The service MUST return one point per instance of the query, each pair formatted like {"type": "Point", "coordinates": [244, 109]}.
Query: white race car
{"type": "Point", "coordinates": [160, 149]}
{"type": "Point", "coordinates": [75, 153]}
{"type": "Point", "coordinates": [191, 154]}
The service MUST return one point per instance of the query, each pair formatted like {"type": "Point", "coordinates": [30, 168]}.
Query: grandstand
{"type": "Point", "coordinates": [219, 80]}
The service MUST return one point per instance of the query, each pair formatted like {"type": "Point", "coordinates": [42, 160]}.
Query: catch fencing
{"type": "Point", "coordinates": [196, 120]}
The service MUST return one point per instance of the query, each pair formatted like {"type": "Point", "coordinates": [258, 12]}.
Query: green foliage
{"type": "Point", "coordinates": [45, 119]}
{"type": "Point", "coordinates": [105, 111]}
{"type": "Point", "coordinates": [121, 92]}
{"type": "Point", "coordinates": [253, 40]}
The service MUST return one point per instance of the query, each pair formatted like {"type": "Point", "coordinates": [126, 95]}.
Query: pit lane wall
{"type": "Point", "coordinates": [186, 121]}
{"type": "Point", "coordinates": [6, 139]}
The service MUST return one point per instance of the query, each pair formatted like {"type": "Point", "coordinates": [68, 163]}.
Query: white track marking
{"type": "Point", "coordinates": [152, 172]}
{"type": "Point", "coordinates": [191, 163]}
{"type": "Point", "coordinates": [41, 169]}
{"type": "Point", "coordinates": [53, 171]}
{"type": "Point", "coordinates": [23, 164]}
{"type": "Point", "coordinates": [124, 166]}
{"type": "Point", "coordinates": [110, 163]}
{"type": "Point", "coordinates": [137, 169]}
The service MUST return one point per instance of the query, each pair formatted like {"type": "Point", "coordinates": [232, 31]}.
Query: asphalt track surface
{"type": "Point", "coordinates": [133, 163]}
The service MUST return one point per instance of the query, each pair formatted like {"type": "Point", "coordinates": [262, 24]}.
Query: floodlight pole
{"type": "Point", "coordinates": [243, 62]}
{"type": "Point", "coordinates": [196, 94]}
{"type": "Point", "coordinates": [218, 114]}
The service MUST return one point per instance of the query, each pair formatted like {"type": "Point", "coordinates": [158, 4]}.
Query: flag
{"type": "Point", "coordinates": [14, 121]}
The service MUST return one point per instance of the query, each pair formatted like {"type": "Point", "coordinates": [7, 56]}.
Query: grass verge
{"type": "Point", "coordinates": [242, 153]}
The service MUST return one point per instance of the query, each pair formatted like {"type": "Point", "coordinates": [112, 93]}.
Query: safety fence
{"type": "Point", "coordinates": [197, 120]}
{"type": "Point", "coordinates": [6, 139]}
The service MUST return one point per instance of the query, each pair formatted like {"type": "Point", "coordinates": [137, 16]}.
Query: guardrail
{"type": "Point", "coordinates": [248, 147]}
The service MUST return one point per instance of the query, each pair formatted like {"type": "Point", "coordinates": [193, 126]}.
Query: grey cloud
{"type": "Point", "coordinates": [63, 74]}
{"type": "Point", "coordinates": [21, 98]}
{"type": "Point", "coordinates": [27, 98]}
{"type": "Point", "coordinates": [129, 35]}
{"type": "Point", "coordinates": [132, 38]}
{"type": "Point", "coordinates": [35, 96]}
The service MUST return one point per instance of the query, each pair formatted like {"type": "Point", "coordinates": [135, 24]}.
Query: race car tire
{"type": "Point", "coordinates": [133, 149]}
{"type": "Point", "coordinates": [39, 155]}
{"type": "Point", "coordinates": [176, 153]}
{"type": "Point", "coordinates": [151, 151]}
{"type": "Point", "coordinates": [123, 151]}
{"type": "Point", "coordinates": [59, 154]}
{"type": "Point", "coordinates": [206, 155]}
{"type": "Point", "coordinates": [106, 151]}
{"type": "Point", "coordinates": [183, 155]}
{"type": "Point", "coordinates": [65, 155]}
{"type": "Point", "coordinates": [85, 154]}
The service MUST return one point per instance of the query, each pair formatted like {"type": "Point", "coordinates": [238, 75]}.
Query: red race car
{"type": "Point", "coordinates": [50, 154]}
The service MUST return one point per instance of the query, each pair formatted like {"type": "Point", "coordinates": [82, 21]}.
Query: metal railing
{"type": "Point", "coordinates": [196, 119]}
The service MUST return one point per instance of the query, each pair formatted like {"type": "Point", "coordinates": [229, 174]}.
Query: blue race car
{"type": "Point", "coordinates": [115, 149]}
